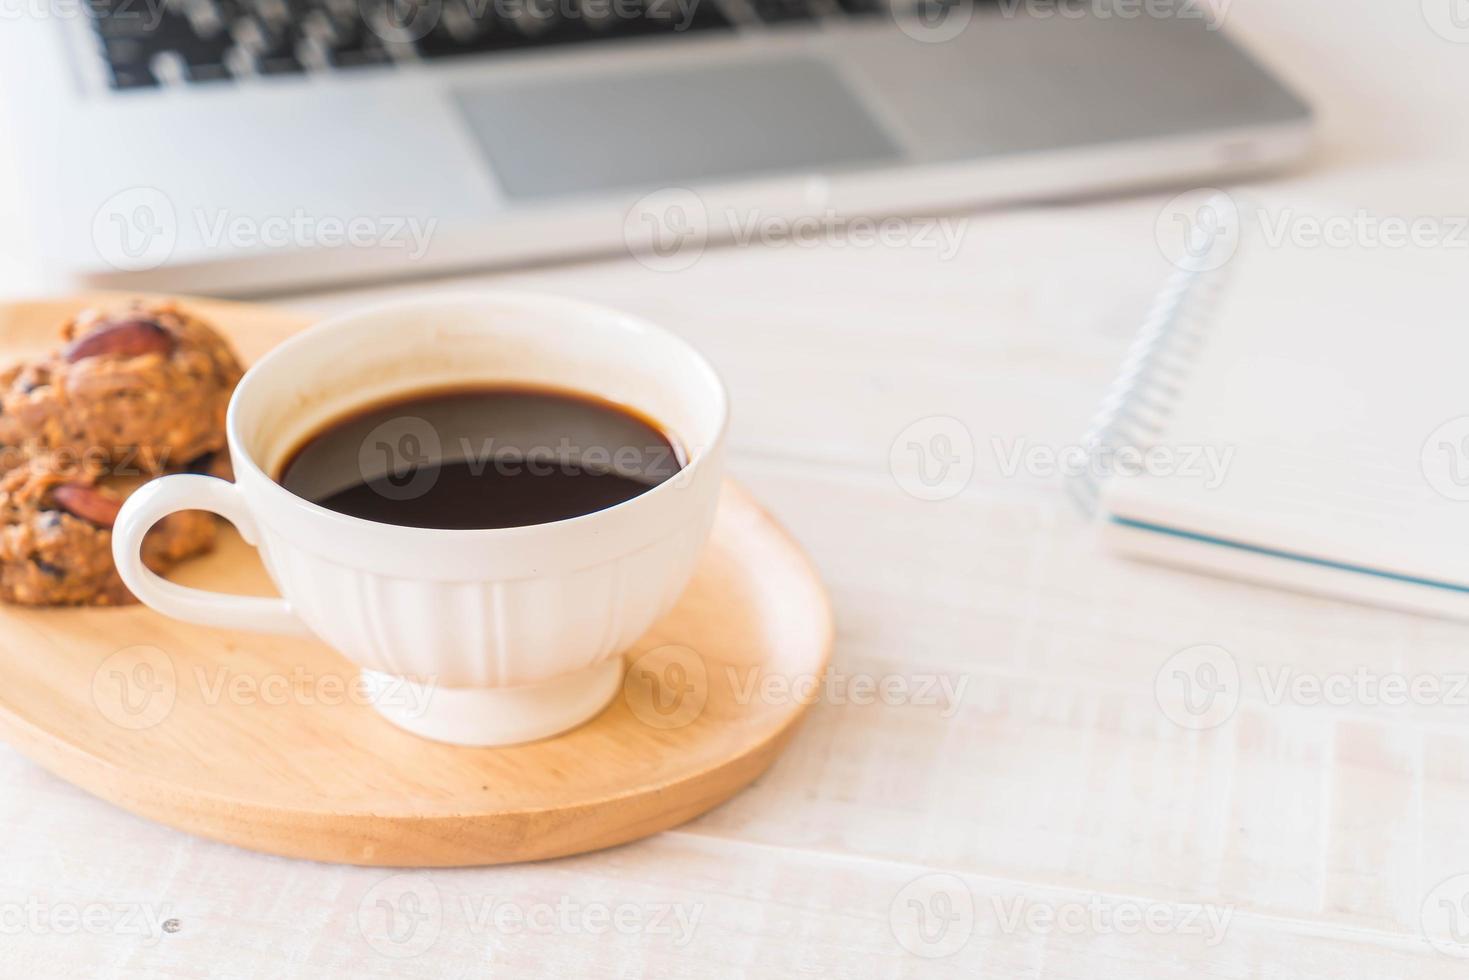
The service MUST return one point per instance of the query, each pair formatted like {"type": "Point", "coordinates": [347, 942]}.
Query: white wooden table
{"type": "Point", "coordinates": [1053, 822]}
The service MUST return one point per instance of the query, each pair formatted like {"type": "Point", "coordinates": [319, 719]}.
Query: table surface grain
{"type": "Point", "coordinates": [1043, 816]}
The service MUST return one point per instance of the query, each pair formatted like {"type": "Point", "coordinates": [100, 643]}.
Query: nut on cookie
{"type": "Point", "coordinates": [56, 536]}
{"type": "Point", "coordinates": [141, 389]}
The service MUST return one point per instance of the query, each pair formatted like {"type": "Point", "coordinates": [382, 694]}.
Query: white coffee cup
{"type": "Point", "coordinates": [503, 635]}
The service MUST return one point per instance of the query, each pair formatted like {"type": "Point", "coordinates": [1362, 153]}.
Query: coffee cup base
{"type": "Point", "coordinates": [494, 716]}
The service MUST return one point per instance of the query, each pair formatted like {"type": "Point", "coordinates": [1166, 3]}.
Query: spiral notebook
{"type": "Point", "coordinates": [1297, 413]}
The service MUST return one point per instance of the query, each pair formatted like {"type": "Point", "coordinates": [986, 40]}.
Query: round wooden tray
{"type": "Point", "coordinates": [268, 743]}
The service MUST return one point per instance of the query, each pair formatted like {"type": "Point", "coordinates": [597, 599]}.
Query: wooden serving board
{"type": "Point", "coordinates": [267, 742]}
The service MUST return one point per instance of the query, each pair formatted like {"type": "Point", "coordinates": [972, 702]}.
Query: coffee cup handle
{"type": "Point", "coordinates": [154, 501]}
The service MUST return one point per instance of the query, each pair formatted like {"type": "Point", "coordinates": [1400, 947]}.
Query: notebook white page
{"type": "Point", "coordinates": [1328, 378]}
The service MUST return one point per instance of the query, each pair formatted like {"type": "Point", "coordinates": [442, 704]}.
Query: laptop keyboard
{"type": "Point", "coordinates": [147, 43]}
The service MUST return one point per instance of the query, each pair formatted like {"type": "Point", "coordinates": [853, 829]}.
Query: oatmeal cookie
{"type": "Point", "coordinates": [56, 536]}
{"type": "Point", "coordinates": [142, 390]}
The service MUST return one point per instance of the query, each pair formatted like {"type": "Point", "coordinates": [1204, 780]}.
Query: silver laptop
{"type": "Point", "coordinates": [248, 145]}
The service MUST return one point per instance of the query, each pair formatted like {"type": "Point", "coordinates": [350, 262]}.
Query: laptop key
{"type": "Point", "coordinates": [207, 71]}
{"type": "Point", "coordinates": [775, 11]}
{"type": "Point", "coordinates": [128, 60]}
{"type": "Point", "coordinates": [360, 53]}
{"type": "Point", "coordinates": [270, 50]}
{"type": "Point", "coordinates": [534, 19]}
{"type": "Point", "coordinates": [284, 64]}
{"type": "Point", "coordinates": [862, 8]}
{"type": "Point", "coordinates": [204, 58]}
{"type": "Point", "coordinates": [131, 76]}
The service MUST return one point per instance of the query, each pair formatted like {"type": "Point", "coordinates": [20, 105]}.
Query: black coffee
{"type": "Point", "coordinates": [481, 458]}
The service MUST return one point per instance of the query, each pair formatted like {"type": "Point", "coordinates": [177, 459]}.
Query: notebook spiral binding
{"type": "Point", "coordinates": [1134, 413]}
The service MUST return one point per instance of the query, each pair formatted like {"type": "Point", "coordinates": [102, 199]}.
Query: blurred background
{"type": "Point", "coordinates": [249, 146]}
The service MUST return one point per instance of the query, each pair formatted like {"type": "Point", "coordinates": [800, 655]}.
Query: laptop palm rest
{"type": "Point", "coordinates": [604, 131]}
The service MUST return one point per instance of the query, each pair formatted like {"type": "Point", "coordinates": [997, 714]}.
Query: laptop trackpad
{"type": "Point", "coordinates": [603, 131]}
